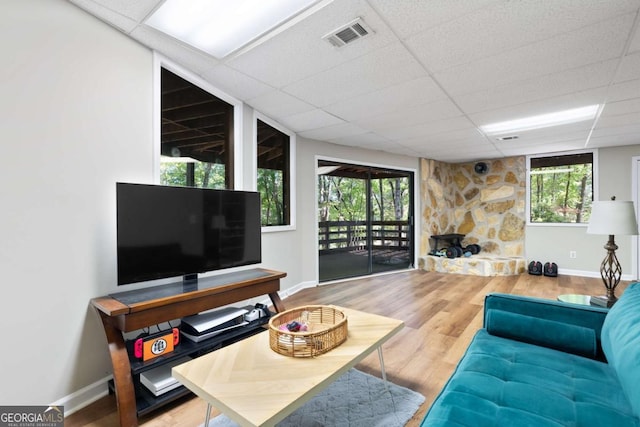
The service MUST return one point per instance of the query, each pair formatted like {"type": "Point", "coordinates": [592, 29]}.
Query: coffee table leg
{"type": "Point", "coordinates": [207, 416]}
{"type": "Point", "coordinates": [384, 373]}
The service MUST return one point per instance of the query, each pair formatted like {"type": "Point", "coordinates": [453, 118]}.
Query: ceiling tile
{"type": "Point", "coordinates": [393, 98]}
{"type": "Point", "coordinates": [433, 128]}
{"type": "Point", "coordinates": [232, 81]}
{"type": "Point", "coordinates": [382, 68]}
{"type": "Point", "coordinates": [413, 17]}
{"type": "Point", "coordinates": [310, 120]}
{"type": "Point", "coordinates": [361, 139]}
{"type": "Point", "coordinates": [277, 104]}
{"type": "Point", "coordinates": [136, 10]}
{"type": "Point", "coordinates": [109, 16]}
{"type": "Point", "coordinates": [334, 132]}
{"type": "Point", "coordinates": [629, 68]}
{"type": "Point", "coordinates": [299, 52]}
{"type": "Point", "coordinates": [621, 107]}
{"type": "Point", "coordinates": [614, 140]}
{"type": "Point", "coordinates": [622, 91]}
{"type": "Point", "coordinates": [599, 42]}
{"type": "Point", "coordinates": [411, 116]}
{"type": "Point", "coordinates": [618, 120]}
{"type": "Point", "coordinates": [500, 28]}
{"type": "Point", "coordinates": [539, 88]}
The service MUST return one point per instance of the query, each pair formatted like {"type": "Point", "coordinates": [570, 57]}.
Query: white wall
{"type": "Point", "coordinates": [76, 117]}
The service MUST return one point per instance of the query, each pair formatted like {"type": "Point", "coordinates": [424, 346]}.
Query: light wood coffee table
{"type": "Point", "coordinates": [255, 386]}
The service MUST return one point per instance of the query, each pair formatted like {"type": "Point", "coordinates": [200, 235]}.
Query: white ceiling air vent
{"type": "Point", "coordinates": [348, 33]}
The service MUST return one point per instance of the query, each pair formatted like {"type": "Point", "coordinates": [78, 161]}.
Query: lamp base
{"type": "Point", "coordinates": [603, 301]}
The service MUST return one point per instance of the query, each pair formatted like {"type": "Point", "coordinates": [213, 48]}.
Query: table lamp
{"type": "Point", "coordinates": [612, 217]}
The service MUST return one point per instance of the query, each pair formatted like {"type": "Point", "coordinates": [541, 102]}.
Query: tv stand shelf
{"type": "Point", "coordinates": [134, 310]}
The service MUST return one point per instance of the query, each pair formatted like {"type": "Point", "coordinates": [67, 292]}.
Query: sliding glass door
{"type": "Point", "coordinates": [365, 220]}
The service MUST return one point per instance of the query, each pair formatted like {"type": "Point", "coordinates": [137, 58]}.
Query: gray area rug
{"type": "Point", "coordinates": [354, 399]}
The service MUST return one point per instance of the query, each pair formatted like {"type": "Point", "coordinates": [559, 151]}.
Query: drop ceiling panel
{"type": "Point", "coordinates": [469, 136]}
{"type": "Point", "coordinates": [109, 16]}
{"type": "Point", "coordinates": [361, 139]}
{"type": "Point", "coordinates": [428, 129]}
{"type": "Point", "coordinates": [412, 116]}
{"type": "Point", "coordinates": [232, 81]}
{"type": "Point", "coordinates": [136, 10]}
{"type": "Point", "coordinates": [600, 42]}
{"type": "Point", "coordinates": [626, 90]}
{"type": "Point", "coordinates": [597, 75]}
{"type": "Point", "coordinates": [629, 68]}
{"type": "Point", "coordinates": [413, 17]}
{"type": "Point", "coordinates": [277, 104]}
{"type": "Point", "coordinates": [402, 96]}
{"type": "Point", "coordinates": [334, 132]}
{"type": "Point", "coordinates": [621, 107]}
{"type": "Point", "coordinates": [299, 52]}
{"type": "Point", "coordinates": [312, 119]}
{"type": "Point", "coordinates": [614, 140]}
{"type": "Point", "coordinates": [377, 70]}
{"type": "Point", "coordinates": [499, 28]}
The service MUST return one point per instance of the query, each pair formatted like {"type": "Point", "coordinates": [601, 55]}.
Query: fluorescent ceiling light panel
{"type": "Point", "coordinates": [543, 121]}
{"type": "Point", "coordinates": [220, 27]}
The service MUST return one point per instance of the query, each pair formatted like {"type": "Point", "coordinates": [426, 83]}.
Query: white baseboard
{"type": "Point", "coordinates": [84, 397]}
{"type": "Point", "coordinates": [583, 273]}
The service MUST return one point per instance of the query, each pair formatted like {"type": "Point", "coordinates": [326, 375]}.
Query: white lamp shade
{"type": "Point", "coordinates": [613, 217]}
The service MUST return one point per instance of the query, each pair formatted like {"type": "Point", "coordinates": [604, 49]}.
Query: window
{"type": "Point", "coordinates": [274, 177]}
{"type": "Point", "coordinates": [561, 188]}
{"type": "Point", "coordinates": [196, 135]}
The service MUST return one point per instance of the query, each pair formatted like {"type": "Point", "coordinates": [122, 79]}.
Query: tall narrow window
{"type": "Point", "coordinates": [196, 136]}
{"type": "Point", "coordinates": [273, 150]}
{"type": "Point", "coordinates": [561, 188]}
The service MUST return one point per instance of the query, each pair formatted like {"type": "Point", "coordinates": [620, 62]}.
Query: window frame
{"type": "Point", "coordinates": [594, 153]}
{"type": "Point", "coordinates": [159, 62]}
{"type": "Point", "coordinates": [292, 169]}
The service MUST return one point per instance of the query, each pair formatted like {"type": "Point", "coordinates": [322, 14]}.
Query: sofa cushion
{"type": "Point", "coordinates": [621, 342]}
{"type": "Point", "coordinates": [504, 382]}
{"type": "Point", "coordinates": [548, 333]}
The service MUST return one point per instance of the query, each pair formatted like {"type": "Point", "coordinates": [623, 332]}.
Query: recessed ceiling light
{"type": "Point", "coordinates": [220, 27]}
{"type": "Point", "coordinates": [542, 121]}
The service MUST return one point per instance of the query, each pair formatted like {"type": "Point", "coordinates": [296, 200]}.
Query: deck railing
{"type": "Point", "coordinates": [346, 235]}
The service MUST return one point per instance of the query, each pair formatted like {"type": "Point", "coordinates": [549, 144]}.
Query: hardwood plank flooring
{"type": "Point", "coordinates": [441, 312]}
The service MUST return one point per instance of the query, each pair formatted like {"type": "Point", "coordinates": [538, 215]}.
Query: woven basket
{"type": "Point", "coordinates": [327, 329]}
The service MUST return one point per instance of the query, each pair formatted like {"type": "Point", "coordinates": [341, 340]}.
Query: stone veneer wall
{"type": "Point", "coordinates": [489, 209]}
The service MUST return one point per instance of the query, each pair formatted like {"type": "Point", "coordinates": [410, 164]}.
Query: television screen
{"type": "Point", "coordinates": [165, 231]}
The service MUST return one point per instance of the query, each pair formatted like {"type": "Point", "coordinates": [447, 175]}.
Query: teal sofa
{"type": "Point", "coordinates": [546, 363]}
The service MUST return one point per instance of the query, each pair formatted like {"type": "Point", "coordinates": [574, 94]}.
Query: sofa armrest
{"type": "Point", "coordinates": [571, 328]}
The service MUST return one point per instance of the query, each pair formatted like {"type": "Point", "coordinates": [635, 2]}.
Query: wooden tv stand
{"type": "Point", "coordinates": [134, 310]}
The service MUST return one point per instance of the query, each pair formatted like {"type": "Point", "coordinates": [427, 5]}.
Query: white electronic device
{"type": "Point", "coordinates": [159, 380]}
{"type": "Point", "coordinates": [206, 325]}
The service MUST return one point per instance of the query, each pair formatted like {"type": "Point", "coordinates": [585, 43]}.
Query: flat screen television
{"type": "Point", "coordinates": [165, 231]}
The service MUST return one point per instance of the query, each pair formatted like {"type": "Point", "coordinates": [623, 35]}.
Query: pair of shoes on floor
{"type": "Point", "coordinates": [550, 269]}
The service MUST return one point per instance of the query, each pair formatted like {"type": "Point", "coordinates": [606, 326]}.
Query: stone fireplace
{"type": "Point", "coordinates": [487, 206]}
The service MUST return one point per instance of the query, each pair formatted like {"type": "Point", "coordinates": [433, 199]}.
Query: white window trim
{"type": "Point", "coordinates": [159, 62]}
{"type": "Point", "coordinates": [596, 181]}
{"type": "Point", "coordinates": [292, 169]}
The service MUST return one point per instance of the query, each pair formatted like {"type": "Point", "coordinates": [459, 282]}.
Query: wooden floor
{"type": "Point", "coordinates": [441, 314]}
